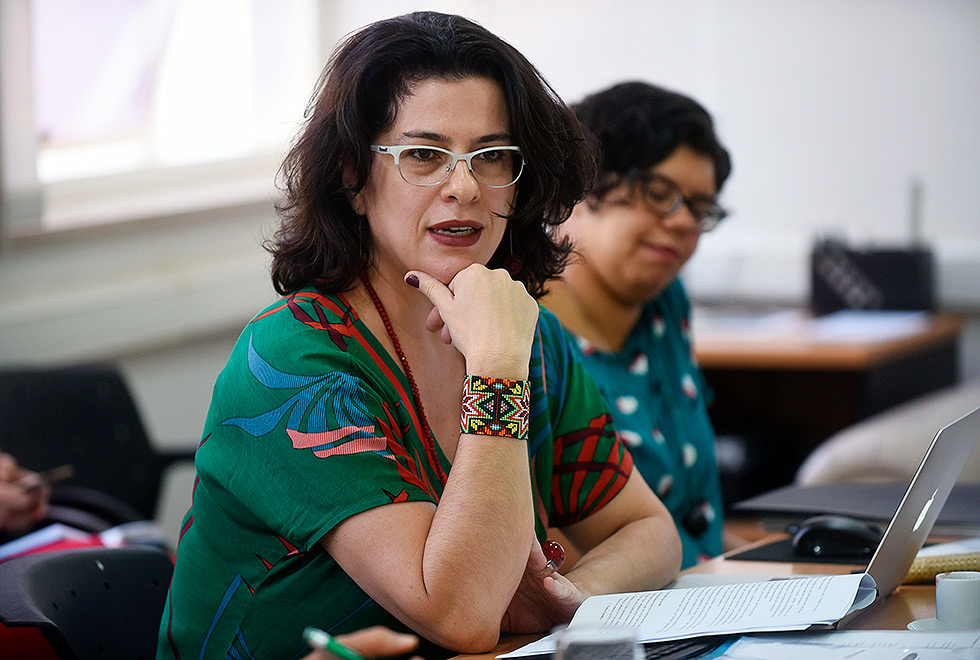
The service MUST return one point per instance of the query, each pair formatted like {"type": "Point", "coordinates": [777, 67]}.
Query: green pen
{"type": "Point", "coordinates": [323, 640]}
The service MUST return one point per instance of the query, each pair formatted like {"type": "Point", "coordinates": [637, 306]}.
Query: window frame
{"type": "Point", "coordinates": [152, 258]}
{"type": "Point", "coordinates": [30, 208]}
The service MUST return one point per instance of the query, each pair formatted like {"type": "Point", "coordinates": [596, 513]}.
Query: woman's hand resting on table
{"type": "Point", "coordinates": [374, 642]}
{"type": "Point", "coordinates": [545, 598]}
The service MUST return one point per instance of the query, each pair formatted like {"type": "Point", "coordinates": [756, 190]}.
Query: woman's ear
{"type": "Point", "coordinates": [580, 214]}
{"type": "Point", "coordinates": [356, 203]}
{"type": "Point", "coordinates": [349, 178]}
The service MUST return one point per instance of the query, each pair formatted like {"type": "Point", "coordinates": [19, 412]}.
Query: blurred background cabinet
{"type": "Point", "coordinates": [785, 381]}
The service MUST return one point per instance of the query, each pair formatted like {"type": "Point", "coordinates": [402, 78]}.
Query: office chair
{"type": "Point", "coordinates": [85, 416]}
{"type": "Point", "coordinates": [888, 445]}
{"type": "Point", "coordinates": [83, 604]}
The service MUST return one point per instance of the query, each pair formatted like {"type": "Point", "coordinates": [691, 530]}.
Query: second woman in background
{"type": "Point", "coordinates": [660, 170]}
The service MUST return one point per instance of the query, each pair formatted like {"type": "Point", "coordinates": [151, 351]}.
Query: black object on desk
{"type": "Point", "coordinates": [682, 649]}
{"type": "Point", "coordinates": [871, 502]}
{"type": "Point", "coordinates": [782, 551]}
{"type": "Point", "coordinates": [842, 277]}
{"type": "Point", "coordinates": [831, 535]}
{"type": "Point", "coordinates": [674, 649]}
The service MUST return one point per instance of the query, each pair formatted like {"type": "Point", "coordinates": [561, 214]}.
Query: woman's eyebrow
{"type": "Point", "coordinates": [426, 135]}
{"type": "Point", "coordinates": [439, 137]}
{"type": "Point", "coordinates": [494, 137]}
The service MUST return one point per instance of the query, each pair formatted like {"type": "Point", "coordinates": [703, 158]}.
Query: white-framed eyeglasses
{"type": "Point", "coordinates": [424, 165]}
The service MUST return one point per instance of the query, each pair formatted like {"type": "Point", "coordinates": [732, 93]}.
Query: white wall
{"type": "Point", "coordinates": [829, 107]}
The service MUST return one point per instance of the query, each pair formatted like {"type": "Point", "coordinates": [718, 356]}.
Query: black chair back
{"type": "Point", "coordinates": [84, 415]}
{"type": "Point", "coordinates": [89, 603]}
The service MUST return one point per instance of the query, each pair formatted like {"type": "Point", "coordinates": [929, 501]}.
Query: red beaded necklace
{"type": "Point", "coordinates": [427, 439]}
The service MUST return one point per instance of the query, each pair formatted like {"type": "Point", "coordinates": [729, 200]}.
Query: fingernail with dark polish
{"type": "Point", "coordinates": [412, 280]}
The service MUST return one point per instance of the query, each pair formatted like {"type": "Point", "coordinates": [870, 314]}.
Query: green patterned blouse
{"type": "Point", "coordinates": [310, 422]}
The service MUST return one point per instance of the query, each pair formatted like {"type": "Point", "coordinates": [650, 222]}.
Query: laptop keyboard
{"type": "Point", "coordinates": [681, 649]}
{"type": "Point", "coordinates": [675, 649]}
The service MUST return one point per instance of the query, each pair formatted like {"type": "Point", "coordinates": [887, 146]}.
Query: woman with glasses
{"type": "Point", "coordinates": [390, 441]}
{"type": "Point", "coordinates": [660, 170]}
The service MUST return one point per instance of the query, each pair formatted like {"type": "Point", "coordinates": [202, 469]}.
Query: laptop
{"type": "Point", "coordinates": [924, 499]}
{"type": "Point", "coordinates": [910, 525]}
{"type": "Point", "coordinates": [913, 520]}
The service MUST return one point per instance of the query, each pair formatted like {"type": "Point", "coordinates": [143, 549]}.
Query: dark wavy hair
{"type": "Point", "coordinates": [321, 241]}
{"type": "Point", "coordinates": [638, 125]}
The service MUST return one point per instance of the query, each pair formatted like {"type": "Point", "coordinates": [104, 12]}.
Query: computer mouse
{"type": "Point", "coordinates": [836, 537]}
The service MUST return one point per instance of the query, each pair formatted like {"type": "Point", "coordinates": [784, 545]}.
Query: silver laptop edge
{"type": "Point", "coordinates": [913, 519]}
{"type": "Point", "coordinates": [924, 499]}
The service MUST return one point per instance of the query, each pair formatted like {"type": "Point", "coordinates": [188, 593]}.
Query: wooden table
{"type": "Point", "coordinates": [794, 347]}
{"type": "Point", "coordinates": [905, 604]}
{"type": "Point", "coordinates": [779, 392]}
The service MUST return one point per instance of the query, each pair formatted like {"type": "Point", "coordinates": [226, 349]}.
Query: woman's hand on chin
{"type": "Point", "coordinates": [486, 315]}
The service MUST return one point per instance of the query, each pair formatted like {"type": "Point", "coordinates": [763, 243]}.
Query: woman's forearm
{"type": "Point", "coordinates": [642, 550]}
{"type": "Point", "coordinates": [643, 555]}
{"type": "Point", "coordinates": [449, 572]}
{"type": "Point", "coordinates": [482, 530]}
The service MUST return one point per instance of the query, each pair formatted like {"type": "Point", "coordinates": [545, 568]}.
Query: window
{"type": "Point", "coordinates": [116, 108]}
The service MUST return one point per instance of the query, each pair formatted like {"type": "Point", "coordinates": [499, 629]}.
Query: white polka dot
{"type": "Point", "coordinates": [664, 485]}
{"type": "Point", "coordinates": [658, 326]}
{"type": "Point", "coordinates": [690, 455]}
{"type": "Point", "coordinates": [627, 404]}
{"type": "Point", "coordinates": [659, 437]}
{"type": "Point", "coordinates": [688, 387]}
{"type": "Point", "coordinates": [640, 365]}
{"type": "Point", "coordinates": [631, 438]}
{"type": "Point", "coordinates": [709, 512]}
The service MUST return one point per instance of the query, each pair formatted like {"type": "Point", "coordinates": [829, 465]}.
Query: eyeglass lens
{"type": "Point", "coordinates": [491, 167]}
{"type": "Point", "coordinates": [666, 198]}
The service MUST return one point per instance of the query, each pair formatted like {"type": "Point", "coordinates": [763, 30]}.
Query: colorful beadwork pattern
{"type": "Point", "coordinates": [495, 406]}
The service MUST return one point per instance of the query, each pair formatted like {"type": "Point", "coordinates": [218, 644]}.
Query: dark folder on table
{"type": "Point", "coordinates": [873, 502]}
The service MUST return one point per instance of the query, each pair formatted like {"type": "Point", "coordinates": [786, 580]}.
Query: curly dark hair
{"type": "Point", "coordinates": [638, 125]}
{"type": "Point", "coordinates": [321, 241]}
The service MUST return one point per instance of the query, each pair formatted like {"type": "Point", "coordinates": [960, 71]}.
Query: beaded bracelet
{"type": "Point", "coordinates": [495, 406]}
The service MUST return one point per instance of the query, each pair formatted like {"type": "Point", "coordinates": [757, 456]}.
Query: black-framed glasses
{"type": "Point", "coordinates": [664, 196]}
{"type": "Point", "coordinates": [424, 165]}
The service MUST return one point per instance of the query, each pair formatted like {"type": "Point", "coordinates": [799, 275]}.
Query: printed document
{"type": "Point", "coordinates": [774, 605]}
{"type": "Point", "coordinates": [857, 645]}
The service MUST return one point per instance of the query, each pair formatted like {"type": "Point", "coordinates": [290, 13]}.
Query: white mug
{"type": "Point", "coordinates": [958, 599]}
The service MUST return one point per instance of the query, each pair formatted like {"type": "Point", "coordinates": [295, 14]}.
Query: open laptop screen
{"type": "Point", "coordinates": [923, 500]}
